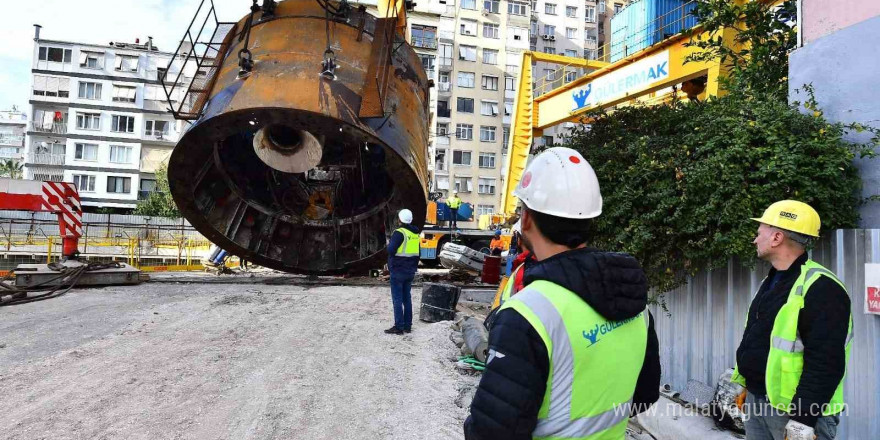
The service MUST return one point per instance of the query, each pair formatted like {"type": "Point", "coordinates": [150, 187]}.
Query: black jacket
{"type": "Point", "coordinates": [512, 388]}
{"type": "Point", "coordinates": [401, 266]}
{"type": "Point", "coordinates": [823, 324]}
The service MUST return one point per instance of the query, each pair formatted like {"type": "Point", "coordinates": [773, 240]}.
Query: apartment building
{"type": "Point", "coordinates": [13, 125]}
{"type": "Point", "coordinates": [99, 119]}
{"type": "Point", "coordinates": [606, 10]}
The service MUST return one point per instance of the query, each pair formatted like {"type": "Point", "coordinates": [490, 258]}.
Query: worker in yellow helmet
{"type": "Point", "coordinates": [798, 334]}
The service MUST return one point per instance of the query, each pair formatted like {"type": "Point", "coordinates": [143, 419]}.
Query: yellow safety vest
{"type": "Point", "coordinates": [785, 361]}
{"type": "Point", "coordinates": [410, 245]}
{"type": "Point", "coordinates": [584, 349]}
{"type": "Point", "coordinates": [453, 202]}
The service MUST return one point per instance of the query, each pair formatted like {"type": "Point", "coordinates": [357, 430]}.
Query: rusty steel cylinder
{"type": "Point", "coordinates": [299, 169]}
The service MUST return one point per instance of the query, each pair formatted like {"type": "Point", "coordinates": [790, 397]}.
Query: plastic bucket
{"type": "Point", "coordinates": [438, 302]}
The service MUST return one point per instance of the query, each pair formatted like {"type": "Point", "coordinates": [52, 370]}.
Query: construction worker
{"type": "Point", "coordinates": [574, 354]}
{"type": "Point", "coordinates": [496, 246]}
{"type": "Point", "coordinates": [403, 261]}
{"type": "Point", "coordinates": [798, 334]}
{"type": "Point", "coordinates": [453, 202]}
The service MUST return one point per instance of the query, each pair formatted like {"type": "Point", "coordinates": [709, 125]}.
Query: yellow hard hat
{"type": "Point", "coordinates": [794, 216]}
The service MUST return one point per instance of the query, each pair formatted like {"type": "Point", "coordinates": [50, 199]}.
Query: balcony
{"type": "Point", "coordinates": [424, 42]}
{"type": "Point", "coordinates": [12, 140]}
{"type": "Point", "coordinates": [444, 87]}
{"type": "Point", "coordinates": [158, 135]}
{"type": "Point", "coordinates": [445, 63]}
{"type": "Point", "coordinates": [45, 159]}
{"type": "Point", "coordinates": [10, 153]}
{"type": "Point", "coordinates": [444, 113]}
{"type": "Point", "coordinates": [52, 127]}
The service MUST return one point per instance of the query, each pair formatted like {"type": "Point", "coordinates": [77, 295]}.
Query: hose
{"type": "Point", "coordinates": [67, 278]}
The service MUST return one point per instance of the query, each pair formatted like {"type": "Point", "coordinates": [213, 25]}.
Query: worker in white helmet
{"type": "Point", "coordinates": [403, 261]}
{"type": "Point", "coordinates": [577, 344]}
{"type": "Point", "coordinates": [453, 202]}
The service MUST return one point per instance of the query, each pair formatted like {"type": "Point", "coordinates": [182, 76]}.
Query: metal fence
{"type": "Point", "coordinates": [151, 243]}
{"type": "Point", "coordinates": [703, 326]}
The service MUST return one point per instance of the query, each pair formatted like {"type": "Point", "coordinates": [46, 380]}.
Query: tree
{"type": "Point", "coordinates": [11, 169]}
{"type": "Point", "coordinates": [159, 203]}
{"type": "Point", "coordinates": [681, 180]}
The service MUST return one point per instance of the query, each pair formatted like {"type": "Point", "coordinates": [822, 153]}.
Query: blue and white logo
{"type": "Point", "coordinates": [630, 79]}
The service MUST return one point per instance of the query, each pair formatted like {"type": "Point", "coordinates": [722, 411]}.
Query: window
{"type": "Point", "coordinates": [124, 94]}
{"type": "Point", "coordinates": [505, 140]}
{"type": "Point", "coordinates": [508, 108]}
{"type": "Point", "coordinates": [549, 49]}
{"type": "Point", "coordinates": [440, 160]}
{"type": "Point", "coordinates": [490, 30]}
{"type": "Point", "coordinates": [466, 79]}
{"type": "Point", "coordinates": [590, 54]}
{"type": "Point", "coordinates": [517, 8]}
{"type": "Point", "coordinates": [55, 54]}
{"type": "Point", "coordinates": [491, 5]}
{"type": "Point", "coordinates": [442, 129]}
{"type": "Point", "coordinates": [443, 109]}
{"type": "Point", "coordinates": [487, 134]}
{"type": "Point", "coordinates": [127, 63]}
{"type": "Point", "coordinates": [89, 90]}
{"type": "Point", "coordinates": [601, 6]}
{"type": "Point", "coordinates": [509, 83]}
{"type": "Point", "coordinates": [467, 53]}
{"type": "Point", "coordinates": [571, 53]}
{"type": "Point", "coordinates": [445, 51]}
{"type": "Point", "coordinates": [571, 11]}
{"type": "Point", "coordinates": [549, 74]}
{"type": "Point", "coordinates": [442, 182]}
{"type": "Point", "coordinates": [121, 185]}
{"type": "Point", "coordinates": [549, 29]}
{"type": "Point", "coordinates": [464, 132]}
{"type": "Point", "coordinates": [86, 152]}
{"type": "Point", "coordinates": [465, 105]}
{"type": "Point", "coordinates": [468, 27]}
{"type": "Point", "coordinates": [590, 14]}
{"type": "Point", "coordinates": [469, 4]}
{"type": "Point", "coordinates": [548, 140]}
{"type": "Point", "coordinates": [515, 34]}
{"type": "Point", "coordinates": [123, 124]}
{"type": "Point", "coordinates": [424, 36]}
{"type": "Point", "coordinates": [460, 157]}
{"type": "Point", "coordinates": [486, 186]}
{"type": "Point", "coordinates": [490, 82]}
{"type": "Point", "coordinates": [91, 60]}
{"type": "Point", "coordinates": [511, 69]}
{"type": "Point", "coordinates": [463, 184]}
{"type": "Point", "coordinates": [489, 108]}
{"type": "Point", "coordinates": [590, 37]}
{"type": "Point", "coordinates": [485, 210]}
{"type": "Point", "coordinates": [158, 129]}
{"type": "Point", "coordinates": [88, 121]}
{"type": "Point", "coordinates": [51, 86]}
{"type": "Point", "coordinates": [617, 8]}
{"type": "Point", "coordinates": [490, 56]}
{"type": "Point", "coordinates": [570, 76]}
{"type": "Point", "coordinates": [487, 160]}
{"type": "Point", "coordinates": [571, 33]}
{"type": "Point", "coordinates": [84, 183]}
{"type": "Point", "coordinates": [120, 154]}
{"type": "Point", "coordinates": [549, 8]}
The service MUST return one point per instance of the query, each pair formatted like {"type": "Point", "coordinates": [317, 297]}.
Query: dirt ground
{"type": "Point", "coordinates": [218, 361]}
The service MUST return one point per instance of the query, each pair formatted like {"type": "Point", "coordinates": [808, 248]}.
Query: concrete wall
{"type": "Point", "coordinates": [824, 17]}
{"type": "Point", "coordinates": [843, 68]}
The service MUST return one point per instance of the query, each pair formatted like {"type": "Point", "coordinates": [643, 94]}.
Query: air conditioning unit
{"type": "Point", "coordinates": [546, 36]}
{"type": "Point", "coordinates": [552, 37]}
{"type": "Point", "coordinates": [485, 12]}
{"type": "Point", "coordinates": [467, 32]}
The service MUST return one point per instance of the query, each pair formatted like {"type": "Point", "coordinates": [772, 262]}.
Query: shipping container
{"type": "Point", "coordinates": [647, 22]}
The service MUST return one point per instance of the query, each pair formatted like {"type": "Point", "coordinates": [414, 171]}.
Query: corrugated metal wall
{"type": "Point", "coordinates": [703, 326]}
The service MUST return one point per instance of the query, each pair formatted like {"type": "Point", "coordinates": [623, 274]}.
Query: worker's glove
{"type": "Point", "coordinates": [798, 431]}
{"type": "Point", "coordinates": [740, 400]}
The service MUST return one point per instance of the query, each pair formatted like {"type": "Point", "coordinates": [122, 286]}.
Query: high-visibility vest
{"type": "Point", "coordinates": [453, 202]}
{"type": "Point", "coordinates": [594, 363]}
{"type": "Point", "coordinates": [511, 284]}
{"type": "Point", "coordinates": [410, 245]}
{"type": "Point", "coordinates": [785, 361]}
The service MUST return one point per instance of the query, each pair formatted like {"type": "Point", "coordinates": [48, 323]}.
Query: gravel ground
{"type": "Point", "coordinates": [226, 361]}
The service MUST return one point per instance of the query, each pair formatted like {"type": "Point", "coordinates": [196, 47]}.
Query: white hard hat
{"type": "Point", "coordinates": [561, 183]}
{"type": "Point", "coordinates": [405, 216]}
{"type": "Point", "coordinates": [454, 192]}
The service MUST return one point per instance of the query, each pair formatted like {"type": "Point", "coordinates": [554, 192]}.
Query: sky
{"type": "Point", "coordinates": [90, 21]}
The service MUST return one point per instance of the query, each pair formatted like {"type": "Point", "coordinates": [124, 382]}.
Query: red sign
{"type": "Point", "coordinates": [872, 301]}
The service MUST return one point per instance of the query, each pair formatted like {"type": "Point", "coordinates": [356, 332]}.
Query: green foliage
{"type": "Point", "coordinates": [681, 180]}
{"type": "Point", "coordinates": [756, 55]}
{"type": "Point", "coordinates": [159, 203]}
{"type": "Point", "coordinates": [11, 169]}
